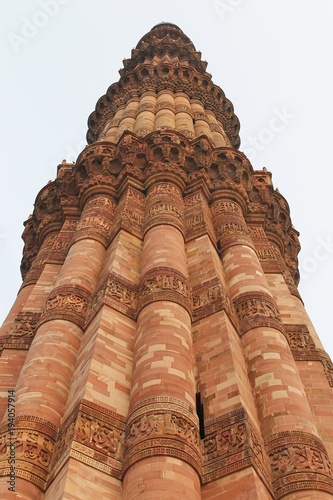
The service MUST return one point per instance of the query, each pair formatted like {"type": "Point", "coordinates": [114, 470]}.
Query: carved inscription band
{"type": "Point", "coordinates": [91, 435]}
{"type": "Point", "coordinates": [162, 426]}
{"type": "Point", "coordinates": [164, 283]}
{"type": "Point", "coordinates": [164, 206]}
{"type": "Point", "coordinates": [35, 439]}
{"type": "Point", "coordinates": [22, 332]}
{"type": "Point", "coordinates": [298, 461]}
{"type": "Point", "coordinates": [232, 444]}
{"type": "Point", "coordinates": [69, 303]}
{"type": "Point", "coordinates": [303, 348]}
{"type": "Point", "coordinates": [257, 309]}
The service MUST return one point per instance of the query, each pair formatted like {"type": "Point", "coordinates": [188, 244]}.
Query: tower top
{"type": "Point", "coordinates": [165, 61]}
{"type": "Point", "coordinates": [172, 25]}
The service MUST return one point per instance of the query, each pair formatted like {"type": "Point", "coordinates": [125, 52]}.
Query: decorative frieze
{"type": "Point", "coordinates": [69, 303]}
{"type": "Point", "coordinates": [162, 426]}
{"type": "Point", "coordinates": [130, 213]}
{"type": "Point", "coordinates": [164, 206]}
{"type": "Point", "coordinates": [164, 283]}
{"type": "Point", "coordinates": [299, 462]}
{"type": "Point", "coordinates": [257, 309]}
{"type": "Point", "coordinates": [231, 444]}
{"type": "Point", "coordinates": [209, 298]}
{"type": "Point", "coordinates": [121, 295]}
{"type": "Point", "coordinates": [91, 435]}
{"type": "Point", "coordinates": [35, 439]}
{"type": "Point", "coordinates": [40, 260]}
{"type": "Point", "coordinates": [303, 348]}
{"type": "Point", "coordinates": [96, 221]}
{"type": "Point", "coordinates": [22, 332]}
{"type": "Point", "coordinates": [231, 230]}
{"type": "Point", "coordinates": [117, 293]}
{"type": "Point", "coordinates": [165, 188]}
{"type": "Point", "coordinates": [225, 207]}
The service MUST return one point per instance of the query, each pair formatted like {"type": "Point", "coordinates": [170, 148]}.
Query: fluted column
{"type": "Point", "coordinates": [165, 112]}
{"type": "Point", "coordinates": [287, 423]}
{"type": "Point", "coordinates": [162, 423]}
{"type": "Point", "coordinates": [184, 120]}
{"type": "Point", "coordinates": [145, 118]}
{"type": "Point", "coordinates": [127, 121]}
{"type": "Point", "coordinates": [45, 379]}
{"type": "Point", "coordinates": [201, 123]}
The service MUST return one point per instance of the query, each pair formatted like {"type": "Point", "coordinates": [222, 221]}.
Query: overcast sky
{"type": "Point", "coordinates": [272, 58]}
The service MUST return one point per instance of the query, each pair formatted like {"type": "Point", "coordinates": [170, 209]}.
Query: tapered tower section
{"type": "Point", "coordinates": [158, 346]}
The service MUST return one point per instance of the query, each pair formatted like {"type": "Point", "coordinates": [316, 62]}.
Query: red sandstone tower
{"type": "Point", "coordinates": [158, 347]}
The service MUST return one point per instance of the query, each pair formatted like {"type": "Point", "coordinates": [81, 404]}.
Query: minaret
{"type": "Point", "coordinates": [158, 347]}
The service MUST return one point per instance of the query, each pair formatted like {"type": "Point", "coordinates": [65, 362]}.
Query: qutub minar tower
{"type": "Point", "coordinates": [158, 347]}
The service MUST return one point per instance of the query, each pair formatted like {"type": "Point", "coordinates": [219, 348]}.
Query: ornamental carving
{"type": "Point", "coordinates": [35, 439]}
{"type": "Point", "coordinates": [303, 348]}
{"type": "Point", "coordinates": [225, 207]}
{"type": "Point", "coordinates": [133, 217]}
{"type": "Point", "coordinates": [183, 108]}
{"type": "Point", "coordinates": [101, 201]}
{"type": "Point", "coordinates": [97, 222]}
{"type": "Point", "coordinates": [232, 444]}
{"type": "Point", "coordinates": [136, 197]}
{"type": "Point", "coordinates": [67, 302]}
{"type": "Point", "coordinates": [164, 284]}
{"type": "Point", "coordinates": [162, 426]}
{"type": "Point", "coordinates": [164, 188]}
{"type": "Point", "coordinates": [98, 435]}
{"type": "Point", "coordinates": [70, 225]}
{"type": "Point", "coordinates": [92, 435]}
{"type": "Point", "coordinates": [299, 461]}
{"type": "Point", "coordinates": [146, 106]}
{"type": "Point", "coordinates": [70, 302]}
{"type": "Point", "coordinates": [193, 200]}
{"type": "Point", "coordinates": [164, 105]}
{"type": "Point", "coordinates": [231, 228]}
{"type": "Point", "coordinates": [22, 332]}
{"type": "Point", "coordinates": [210, 298]}
{"type": "Point", "coordinates": [224, 442]}
{"type": "Point", "coordinates": [121, 292]}
{"type": "Point", "coordinates": [328, 369]}
{"type": "Point", "coordinates": [164, 208]}
{"type": "Point", "coordinates": [299, 338]}
{"type": "Point", "coordinates": [257, 310]}
{"type": "Point", "coordinates": [268, 253]}
{"type": "Point", "coordinates": [118, 294]}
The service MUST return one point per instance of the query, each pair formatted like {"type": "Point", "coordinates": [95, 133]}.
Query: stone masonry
{"type": "Point", "coordinates": [158, 347]}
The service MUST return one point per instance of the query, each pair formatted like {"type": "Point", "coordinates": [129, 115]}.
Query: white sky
{"type": "Point", "coordinates": [270, 57]}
